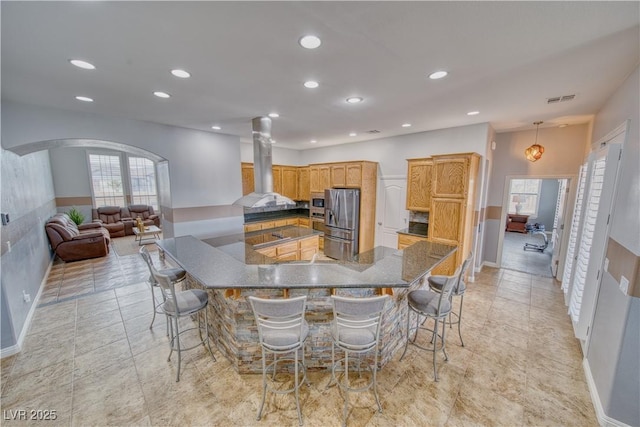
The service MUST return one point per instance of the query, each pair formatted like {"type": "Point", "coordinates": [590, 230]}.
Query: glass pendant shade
{"type": "Point", "coordinates": [534, 153]}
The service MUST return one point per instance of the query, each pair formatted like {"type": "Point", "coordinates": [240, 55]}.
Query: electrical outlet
{"type": "Point", "coordinates": [8, 246]}
{"type": "Point", "coordinates": [26, 296]}
{"type": "Point", "coordinates": [624, 285]}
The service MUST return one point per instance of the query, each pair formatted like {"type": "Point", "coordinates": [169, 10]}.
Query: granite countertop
{"type": "Point", "coordinates": [229, 263]}
{"type": "Point", "coordinates": [418, 229]}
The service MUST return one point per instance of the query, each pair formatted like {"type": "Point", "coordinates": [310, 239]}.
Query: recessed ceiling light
{"type": "Point", "coordinates": [311, 84]}
{"type": "Point", "coordinates": [82, 64]}
{"type": "Point", "coordinates": [274, 115]}
{"type": "Point", "coordinates": [353, 134]}
{"type": "Point", "coordinates": [313, 141]}
{"type": "Point", "coordinates": [273, 141]}
{"type": "Point", "coordinates": [473, 113]}
{"type": "Point", "coordinates": [181, 73]}
{"type": "Point", "coordinates": [310, 42]}
{"type": "Point", "coordinates": [563, 125]}
{"type": "Point", "coordinates": [406, 125]}
{"type": "Point", "coordinates": [438, 75]}
{"type": "Point", "coordinates": [162, 94]}
{"type": "Point", "coordinates": [354, 100]}
{"type": "Point", "coordinates": [216, 127]}
{"type": "Point", "coordinates": [84, 99]}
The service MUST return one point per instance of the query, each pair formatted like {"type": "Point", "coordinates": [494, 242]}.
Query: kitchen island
{"type": "Point", "coordinates": [229, 268]}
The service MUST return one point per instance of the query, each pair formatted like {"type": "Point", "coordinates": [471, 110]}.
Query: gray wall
{"type": "Point", "coordinates": [613, 353]}
{"type": "Point", "coordinates": [547, 205]}
{"type": "Point", "coordinates": [565, 149]}
{"type": "Point", "coordinates": [28, 198]}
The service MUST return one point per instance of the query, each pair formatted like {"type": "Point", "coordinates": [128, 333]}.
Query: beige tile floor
{"type": "Point", "coordinates": [91, 357]}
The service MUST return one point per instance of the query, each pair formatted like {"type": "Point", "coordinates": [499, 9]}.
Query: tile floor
{"type": "Point", "coordinates": [91, 357]}
{"type": "Point", "coordinates": [514, 257]}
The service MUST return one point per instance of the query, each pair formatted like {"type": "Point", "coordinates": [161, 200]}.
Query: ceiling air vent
{"type": "Point", "coordinates": [562, 98]}
{"type": "Point", "coordinates": [373, 131]}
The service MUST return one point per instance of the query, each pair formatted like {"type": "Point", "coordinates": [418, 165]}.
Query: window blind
{"type": "Point", "coordinates": [573, 234]}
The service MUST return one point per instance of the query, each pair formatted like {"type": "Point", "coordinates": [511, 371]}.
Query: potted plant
{"type": "Point", "coordinates": [75, 215]}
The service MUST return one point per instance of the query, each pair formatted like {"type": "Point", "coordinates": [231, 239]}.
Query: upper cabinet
{"type": "Point", "coordinates": [419, 179]}
{"type": "Point", "coordinates": [354, 174]}
{"type": "Point", "coordinates": [451, 176]}
{"type": "Point", "coordinates": [338, 175]}
{"type": "Point", "coordinates": [289, 186]}
{"type": "Point", "coordinates": [303, 183]}
{"type": "Point", "coordinates": [248, 185]}
{"type": "Point", "coordinates": [277, 178]}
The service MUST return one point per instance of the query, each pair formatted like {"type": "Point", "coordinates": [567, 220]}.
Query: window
{"type": "Point", "coordinates": [106, 180]}
{"type": "Point", "coordinates": [142, 173]}
{"type": "Point", "coordinates": [524, 195]}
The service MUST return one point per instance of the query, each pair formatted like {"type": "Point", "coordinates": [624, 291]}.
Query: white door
{"type": "Point", "coordinates": [558, 225]}
{"type": "Point", "coordinates": [601, 184]}
{"type": "Point", "coordinates": [391, 215]}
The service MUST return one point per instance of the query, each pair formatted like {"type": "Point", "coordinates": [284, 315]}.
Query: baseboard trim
{"type": "Point", "coordinates": [489, 264]}
{"type": "Point", "coordinates": [603, 419]}
{"type": "Point", "coordinates": [17, 347]}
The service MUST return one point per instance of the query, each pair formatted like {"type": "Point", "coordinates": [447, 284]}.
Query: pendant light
{"type": "Point", "coordinates": [534, 152]}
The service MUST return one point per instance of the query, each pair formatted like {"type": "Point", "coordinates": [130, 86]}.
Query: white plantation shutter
{"type": "Point", "coordinates": [586, 238]}
{"type": "Point", "coordinates": [575, 224]}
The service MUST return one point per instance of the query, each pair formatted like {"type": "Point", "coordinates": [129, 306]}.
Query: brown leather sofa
{"type": "Point", "coordinates": [145, 212]}
{"type": "Point", "coordinates": [73, 243]}
{"type": "Point", "coordinates": [111, 218]}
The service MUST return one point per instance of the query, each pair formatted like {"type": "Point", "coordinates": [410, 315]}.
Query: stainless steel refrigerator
{"type": "Point", "coordinates": [342, 222]}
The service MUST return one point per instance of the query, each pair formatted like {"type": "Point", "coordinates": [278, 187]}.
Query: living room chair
{"type": "Point", "coordinates": [110, 217]}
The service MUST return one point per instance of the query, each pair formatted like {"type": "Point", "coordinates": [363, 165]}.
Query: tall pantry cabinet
{"type": "Point", "coordinates": [452, 197]}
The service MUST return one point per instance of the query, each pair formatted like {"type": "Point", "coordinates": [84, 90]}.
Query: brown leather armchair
{"type": "Point", "coordinates": [111, 218]}
{"type": "Point", "coordinates": [73, 243]}
{"type": "Point", "coordinates": [145, 212]}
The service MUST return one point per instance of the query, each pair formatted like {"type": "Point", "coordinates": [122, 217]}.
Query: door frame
{"type": "Point", "coordinates": [566, 217]}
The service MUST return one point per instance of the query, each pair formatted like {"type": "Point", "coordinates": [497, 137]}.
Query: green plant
{"type": "Point", "coordinates": [76, 216]}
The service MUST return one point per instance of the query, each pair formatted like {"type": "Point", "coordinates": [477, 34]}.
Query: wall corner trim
{"type": "Point", "coordinates": [603, 419]}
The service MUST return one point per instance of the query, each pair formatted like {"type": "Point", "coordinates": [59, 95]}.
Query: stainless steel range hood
{"type": "Point", "coordinates": [263, 196]}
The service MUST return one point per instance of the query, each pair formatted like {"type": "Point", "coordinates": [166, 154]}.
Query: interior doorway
{"type": "Point", "coordinates": [534, 218]}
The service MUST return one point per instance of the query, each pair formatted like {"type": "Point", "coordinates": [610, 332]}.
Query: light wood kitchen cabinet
{"type": "Point", "coordinates": [304, 187]}
{"type": "Point", "coordinates": [324, 172]}
{"type": "Point", "coordinates": [354, 175]}
{"type": "Point", "coordinates": [302, 249]}
{"type": "Point", "coordinates": [314, 179]}
{"type": "Point", "coordinates": [252, 227]}
{"type": "Point", "coordinates": [338, 175]}
{"type": "Point", "coordinates": [405, 240]}
{"type": "Point", "coordinates": [304, 222]}
{"type": "Point", "coordinates": [277, 178]}
{"type": "Point", "coordinates": [289, 177]}
{"type": "Point", "coordinates": [419, 179]}
{"type": "Point", "coordinates": [451, 176]}
{"type": "Point", "coordinates": [453, 200]}
{"type": "Point", "coordinates": [248, 183]}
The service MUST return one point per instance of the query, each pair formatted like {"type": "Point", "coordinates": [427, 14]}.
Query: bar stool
{"type": "Point", "coordinates": [437, 282]}
{"type": "Point", "coordinates": [176, 275]}
{"type": "Point", "coordinates": [434, 305]}
{"type": "Point", "coordinates": [179, 304]}
{"type": "Point", "coordinates": [356, 329]}
{"type": "Point", "coordinates": [282, 329]}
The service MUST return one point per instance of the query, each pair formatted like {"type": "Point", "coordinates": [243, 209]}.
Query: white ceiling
{"type": "Point", "coordinates": [504, 59]}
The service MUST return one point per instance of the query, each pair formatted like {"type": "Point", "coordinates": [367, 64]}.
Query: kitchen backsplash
{"type": "Point", "coordinates": [422, 217]}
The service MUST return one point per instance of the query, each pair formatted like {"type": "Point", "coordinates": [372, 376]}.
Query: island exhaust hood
{"type": "Point", "coordinates": [263, 196]}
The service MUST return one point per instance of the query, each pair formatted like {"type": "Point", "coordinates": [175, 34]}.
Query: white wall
{"type": "Point", "coordinates": [205, 166]}
{"type": "Point", "coordinates": [613, 356]}
{"type": "Point", "coordinates": [279, 155]}
{"type": "Point", "coordinates": [28, 198]}
{"type": "Point", "coordinates": [392, 153]}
